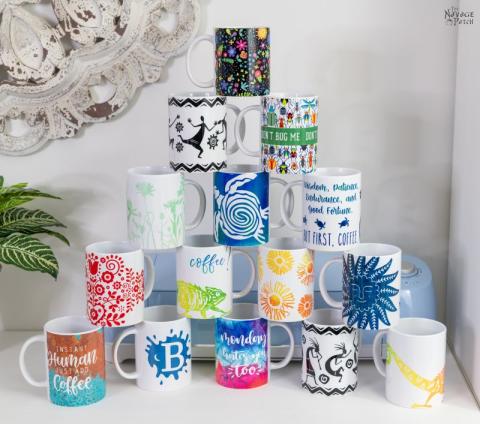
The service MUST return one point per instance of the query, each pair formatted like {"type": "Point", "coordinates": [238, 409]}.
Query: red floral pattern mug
{"type": "Point", "coordinates": [116, 289]}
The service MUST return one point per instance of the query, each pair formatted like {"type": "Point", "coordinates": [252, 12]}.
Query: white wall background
{"type": "Point", "coordinates": [463, 292]}
{"type": "Point", "coordinates": [384, 72]}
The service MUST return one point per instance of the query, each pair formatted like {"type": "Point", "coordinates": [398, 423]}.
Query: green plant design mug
{"type": "Point", "coordinates": [155, 207]}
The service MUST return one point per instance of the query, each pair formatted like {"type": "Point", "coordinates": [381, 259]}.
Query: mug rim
{"type": "Point", "coordinates": [440, 327]}
{"type": "Point", "coordinates": [251, 309]}
{"type": "Point", "coordinates": [151, 171]}
{"type": "Point", "coordinates": [287, 95]}
{"type": "Point", "coordinates": [194, 95]}
{"type": "Point", "coordinates": [195, 241]}
{"type": "Point", "coordinates": [273, 243]}
{"type": "Point", "coordinates": [334, 172]}
{"type": "Point", "coordinates": [373, 249]}
{"type": "Point", "coordinates": [319, 319]}
{"type": "Point", "coordinates": [242, 169]}
{"type": "Point", "coordinates": [125, 247]}
{"type": "Point", "coordinates": [71, 320]}
{"type": "Point", "coordinates": [240, 27]}
{"type": "Point", "coordinates": [167, 309]}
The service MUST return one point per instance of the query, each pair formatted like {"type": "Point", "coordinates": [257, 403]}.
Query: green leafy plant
{"type": "Point", "coordinates": [18, 225]}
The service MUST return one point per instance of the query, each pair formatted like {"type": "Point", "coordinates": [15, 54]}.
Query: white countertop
{"type": "Point", "coordinates": [282, 401]}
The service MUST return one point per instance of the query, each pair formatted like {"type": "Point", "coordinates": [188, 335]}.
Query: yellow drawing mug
{"type": "Point", "coordinates": [415, 362]}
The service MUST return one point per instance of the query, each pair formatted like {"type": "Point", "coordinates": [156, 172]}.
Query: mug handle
{"type": "Point", "coordinates": [201, 209]}
{"type": "Point", "coordinates": [284, 212]}
{"type": "Point", "coordinates": [323, 287]}
{"type": "Point", "coordinates": [238, 136]}
{"type": "Point", "coordinates": [202, 84]}
{"type": "Point", "coordinates": [23, 366]}
{"type": "Point", "coordinates": [377, 352]}
{"type": "Point", "coordinates": [123, 334]}
{"type": "Point", "coordinates": [289, 209]}
{"type": "Point", "coordinates": [151, 277]}
{"type": "Point", "coordinates": [288, 357]}
{"type": "Point", "coordinates": [234, 147]}
{"type": "Point", "coordinates": [253, 275]}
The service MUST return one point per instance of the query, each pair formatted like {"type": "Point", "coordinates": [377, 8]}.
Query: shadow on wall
{"type": "Point", "coordinates": [94, 194]}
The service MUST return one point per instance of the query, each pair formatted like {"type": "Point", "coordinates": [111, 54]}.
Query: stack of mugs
{"type": "Point", "coordinates": [120, 277]}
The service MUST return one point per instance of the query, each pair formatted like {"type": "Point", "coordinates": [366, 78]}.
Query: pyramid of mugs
{"type": "Point", "coordinates": [120, 277]}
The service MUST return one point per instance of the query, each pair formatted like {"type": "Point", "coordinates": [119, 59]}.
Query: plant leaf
{"type": "Point", "coordinates": [1, 181]}
{"type": "Point", "coordinates": [28, 253]}
{"type": "Point", "coordinates": [25, 221]}
{"type": "Point", "coordinates": [52, 233]}
{"type": "Point", "coordinates": [10, 198]}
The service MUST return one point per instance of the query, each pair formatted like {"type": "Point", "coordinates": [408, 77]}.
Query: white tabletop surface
{"type": "Point", "coordinates": [282, 401]}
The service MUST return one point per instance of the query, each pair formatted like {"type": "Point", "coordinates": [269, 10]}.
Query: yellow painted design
{"type": "Point", "coordinates": [433, 387]}
{"type": "Point", "coordinates": [276, 300]}
{"type": "Point", "coordinates": [280, 261]}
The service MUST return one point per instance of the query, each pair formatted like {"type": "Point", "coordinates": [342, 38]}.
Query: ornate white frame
{"type": "Point", "coordinates": [49, 88]}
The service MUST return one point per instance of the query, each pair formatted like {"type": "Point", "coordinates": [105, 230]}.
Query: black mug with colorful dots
{"type": "Point", "coordinates": [242, 61]}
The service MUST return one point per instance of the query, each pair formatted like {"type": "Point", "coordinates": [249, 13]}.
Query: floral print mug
{"type": "Point", "coordinates": [285, 280]}
{"type": "Point", "coordinates": [242, 61]}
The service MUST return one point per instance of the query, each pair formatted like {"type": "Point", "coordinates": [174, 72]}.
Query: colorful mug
{"type": "Point", "coordinates": [415, 362]}
{"type": "Point", "coordinates": [329, 354]}
{"type": "Point", "coordinates": [197, 129]}
{"type": "Point", "coordinates": [163, 350]}
{"type": "Point", "coordinates": [371, 286]}
{"type": "Point", "coordinates": [285, 280]}
{"type": "Point", "coordinates": [242, 61]}
{"type": "Point", "coordinates": [241, 211]}
{"type": "Point", "coordinates": [115, 283]}
{"type": "Point", "coordinates": [205, 278]}
{"type": "Point", "coordinates": [242, 348]}
{"type": "Point", "coordinates": [75, 361]}
{"type": "Point", "coordinates": [289, 127]}
{"type": "Point", "coordinates": [331, 208]}
{"type": "Point", "coordinates": [155, 207]}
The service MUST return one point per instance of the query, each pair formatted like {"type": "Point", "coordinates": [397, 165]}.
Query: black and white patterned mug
{"type": "Point", "coordinates": [242, 61]}
{"type": "Point", "coordinates": [330, 353]}
{"type": "Point", "coordinates": [197, 129]}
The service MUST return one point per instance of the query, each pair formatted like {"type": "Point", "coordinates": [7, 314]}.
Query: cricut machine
{"type": "Point", "coordinates": [417, 299]}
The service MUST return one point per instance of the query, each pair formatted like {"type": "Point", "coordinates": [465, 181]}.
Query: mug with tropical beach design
{"type": "Point", "coordinates": [285, 280]}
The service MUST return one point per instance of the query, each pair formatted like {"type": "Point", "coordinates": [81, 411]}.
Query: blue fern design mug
{"type": "Point", "coordinates": [371, 286]}
{"type": "Point", "coordinates": [163, 350]}
{"type": "Point", "coordinates": [241, 206]}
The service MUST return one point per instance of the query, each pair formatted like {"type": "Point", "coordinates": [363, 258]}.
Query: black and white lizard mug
{"type": "Point", "coordinates": [330, 354]}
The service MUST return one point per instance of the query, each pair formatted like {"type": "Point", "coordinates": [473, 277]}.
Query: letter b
{"type": "Point", "coordinates": [174, 358]}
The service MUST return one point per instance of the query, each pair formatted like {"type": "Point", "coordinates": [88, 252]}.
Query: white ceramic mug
{"type": "Point", "coordinates": [329, 354]}
{"type": "Point", "coordinates": [116, 284]}
{"type": "Point", "coordinates": [415, 362]}
{"type": "Point", "coordinates": [242, 348]}
{"type": "Point", "coordinates": [74, 361]}
{"type": "Point", "coordinates": [289, 127]}
{"type": "Point", "coordinates": [155, 207]}
{"type": "Point", "coordinates": [197, 129]}
{"type": "Point", "coordinates": [163, 350]}
{"type": "Point", "coordinates": [205, 278]}
{"type": "Point", "coordinates": [331, 208]}
{"type": "Point", "coordinates": [371, 286]}
{"type": "Point", "coordinates": [285, 280]}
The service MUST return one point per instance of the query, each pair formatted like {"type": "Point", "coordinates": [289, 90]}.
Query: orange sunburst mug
{"type": "Point", "coordinates": [285, 280]}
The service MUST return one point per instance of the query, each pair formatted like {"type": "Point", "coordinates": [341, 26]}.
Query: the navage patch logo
{"type": "Point", "coordinates": [454, 16]}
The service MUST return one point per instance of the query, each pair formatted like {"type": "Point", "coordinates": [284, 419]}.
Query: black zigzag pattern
{"type": "Point", "coordinates": [328, 330]}
{"type": "Point", "coordinates": [196, 102]}
{"type": "Point", "coordinates": [331, 392]}
{"type": "Point", "coordinates": [198, 167]}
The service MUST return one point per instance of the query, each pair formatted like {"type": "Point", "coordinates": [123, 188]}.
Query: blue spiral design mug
{"type": "Point", "coordinates": [241, 206]}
